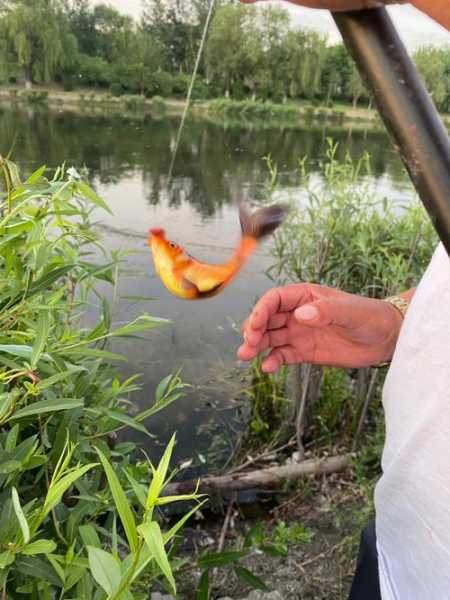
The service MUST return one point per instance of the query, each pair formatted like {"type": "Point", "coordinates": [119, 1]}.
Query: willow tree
{"type": "Point", "coordinates": [232, 47]}
{"type": "Point", "coordinates": [434, 66]}
{"type": "Point", "coordinates": [36, 34]}
{"type": "Point", "coordinates": [305, 63]}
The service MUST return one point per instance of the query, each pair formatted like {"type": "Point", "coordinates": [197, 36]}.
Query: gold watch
{"type": "Point", "coordinates": [399, 303]}
{"type": "Point", "coordinates": [402, 306]}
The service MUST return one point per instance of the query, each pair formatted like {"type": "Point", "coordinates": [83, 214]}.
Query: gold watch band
{"type": "Point", "coordinates": [402, 306]}
{"type": "Point", "coordinates": [399, 303]}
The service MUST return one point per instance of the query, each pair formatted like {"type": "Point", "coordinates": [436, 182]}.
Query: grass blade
{"type": "Point", "coordinates": [152, 535]}
{"type": "Point", "coordinates": [121, 502]}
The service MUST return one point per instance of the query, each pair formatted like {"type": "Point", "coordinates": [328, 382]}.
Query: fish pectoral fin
{"type": "Point", "coordinates": [188, 285]}
{"type": "Point", "coordinates": [205, 280]}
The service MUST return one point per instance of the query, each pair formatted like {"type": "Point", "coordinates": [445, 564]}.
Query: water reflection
{"type": "Point", "coordinates": [128, 158]}
{"type": "Point", "coordinates": [215, 161]}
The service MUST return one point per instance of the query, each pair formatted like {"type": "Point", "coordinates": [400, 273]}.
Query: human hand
{"type": "Point", "coordinates": [320, 325]}
{"type": "Point", "coordinates": [339, 5]}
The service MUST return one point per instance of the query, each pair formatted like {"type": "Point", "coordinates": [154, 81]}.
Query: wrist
{"type": "Point", "coordinates": [397, 311]}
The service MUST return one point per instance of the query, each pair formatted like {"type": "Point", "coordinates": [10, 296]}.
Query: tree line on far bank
{"type": "Point", "coordinates": [248, 52]}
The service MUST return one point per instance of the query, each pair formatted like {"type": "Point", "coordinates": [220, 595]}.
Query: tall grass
{"type": "Point", "coordinates": [343, 234]}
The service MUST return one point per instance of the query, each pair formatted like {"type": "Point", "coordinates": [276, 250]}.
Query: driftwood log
{"type": "Point", "coordinates": [270, 478]}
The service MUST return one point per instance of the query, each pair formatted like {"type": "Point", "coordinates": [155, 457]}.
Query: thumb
{"type": "Point", "coordinates": [322, 313]}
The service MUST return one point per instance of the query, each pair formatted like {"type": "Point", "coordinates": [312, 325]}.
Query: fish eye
{"type": "Point", "coordinates": [172, 244]}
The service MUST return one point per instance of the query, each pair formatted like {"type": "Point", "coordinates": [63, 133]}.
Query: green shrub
{"type": "Point", "coordinates": [71, 525]}
{"type": "Point", "coordinates": [94, 71]}
{"type": "Point", "coordinates": [253, 109]}
{"type": "Point", "coordinates": [69, 83]}
{"type": "Point", "coordinates": [346, 235]}
{"type": "Point", "coordinates": [116, 89]}
{"type": "Point", "coordinates": [158, 104]}
{"type": "Point", "coordinates": [134, 102]}
{"type": "Point", "coordinates": [158, 83]}
{"type": "Point", "coordinates": [34, 96]}
{"type": "Point", "coordinates": [341, 233]}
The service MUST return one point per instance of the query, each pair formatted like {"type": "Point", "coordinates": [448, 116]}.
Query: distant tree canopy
{"type": "Point", "coordinates": [250, 52]}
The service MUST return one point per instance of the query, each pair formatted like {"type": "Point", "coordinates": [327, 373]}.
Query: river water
{"type": "Point", "coordinates": [128, 157]}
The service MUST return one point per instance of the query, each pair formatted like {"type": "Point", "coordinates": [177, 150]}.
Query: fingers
{"type": "Point", "coordinates": [270, 339]}
{"type": "Point", "coordinates": [275, 301]}
{"type": "Point", "coordinates": [323, 313]}
{"type": "Point", "coordinates": [253, 337]}
{"type": "Point", "coordinates": [285, 355]}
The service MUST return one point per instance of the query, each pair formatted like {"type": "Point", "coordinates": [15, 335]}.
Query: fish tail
{"type": "Point", "coordinates": [263, 221]}
{"type": "Point", "coordinates": [258, 225]}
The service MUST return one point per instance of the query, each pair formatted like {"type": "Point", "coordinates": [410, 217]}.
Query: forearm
{"type": "Point", "coordinates": [439, 10]}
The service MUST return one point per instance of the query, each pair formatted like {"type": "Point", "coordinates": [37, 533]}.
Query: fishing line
{"type": "Point", "coordinates": [191, 87]}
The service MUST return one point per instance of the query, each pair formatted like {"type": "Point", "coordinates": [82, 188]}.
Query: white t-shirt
{"type": "Point", "coordinates": [412, 498]}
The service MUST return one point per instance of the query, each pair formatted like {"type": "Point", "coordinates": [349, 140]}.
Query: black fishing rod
{"type": "Point", "coordinates": [405, 107]}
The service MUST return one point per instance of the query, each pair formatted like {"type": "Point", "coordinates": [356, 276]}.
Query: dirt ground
{"type": "Point", "coordinates": [333, 509]}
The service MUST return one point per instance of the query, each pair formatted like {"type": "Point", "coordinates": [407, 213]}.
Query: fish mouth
{"type": "Point", "coordinates": [156, 231]}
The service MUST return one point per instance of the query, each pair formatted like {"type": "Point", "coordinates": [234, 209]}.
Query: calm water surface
{"type": "Point", "coordinates": [128, 159]}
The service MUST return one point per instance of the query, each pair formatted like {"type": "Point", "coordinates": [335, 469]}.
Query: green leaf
{"type": "Point", "coordinates": [44, 384]}
{"type": "Point", "coordinates": [92, 353]}
{"type": "Point", "coordinates": [152, 535]}
{"type": "Point", "coordinates": [47, 406]}
{"type": "Point", "coordinates": [20, 516]}
{"type": "Point", "coordinates": [162, 388]}
{"type": "Point", "coordinates": [127, 420]}
{"type": "Point", "coordinates": [105, 569]}
{"type": "Point", "coordinates": [39, 547]}
{"type": "Point", "coordinates": [55, 561]}
{"type": "Point", "coordinates": [40, 285]}
{"type": "Point", "coordinates": [89, 536]}
{"type": "Point", "coordinates": [121, 502]}
{"type": "Point", "coordinates": [174, 530]}
{"type": "Point", "coordinates": [203, 587]}
{"type": "Point", "coordinates": [56, 490]}
{"type": "Point", "coordinates": [86, 191]}
{"type": "Point", "coordinates": [11, 438]}
{"type": "Point", "coordinates": [138, 489]}
{"type": "Point", "coordinates": [76, 572]}
{"type": "Point", "coordinates": [6, 558]}
{"type": "Point", "coordinates": [159, 475]}
{"type": "Point", "coordinates": [21, 350]}
{"type": "Point", "coordinates": [9, 466]}
{"type": "Point", "coordinates": [36, 175]}
{"type": "Point", "coordinates": [220, 559]}
{"type": "Point", "coordinates": [250, 578]}
{"type": "Point", "coordinates": [38, 569]}
{"type": "Point", "coordinates": [6, 402]}
{"type": "Point", "coordinates": [43, 326]}
{"type": "Point", "coordinates": [142, 323]}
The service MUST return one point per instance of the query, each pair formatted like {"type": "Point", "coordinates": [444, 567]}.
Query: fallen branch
{"type": "Point", "coordinates": [270, 478]}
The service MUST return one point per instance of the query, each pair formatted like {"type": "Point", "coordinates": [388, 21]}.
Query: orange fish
{"type": "Point", "coordinates": [191, 279]}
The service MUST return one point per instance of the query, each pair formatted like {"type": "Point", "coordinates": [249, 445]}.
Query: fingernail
{"type": "Point", "coordinates": [306, 313]}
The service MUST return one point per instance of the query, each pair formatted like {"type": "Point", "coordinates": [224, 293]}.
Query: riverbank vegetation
{"type": "Point", "coordinates": [344, 234]}
{"type": "Point", "coordinates": [73, 44]}
{"type": "Point", "coordinates": [80, 511]}
{"type": "Point", "coordinates": [78, 516]}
